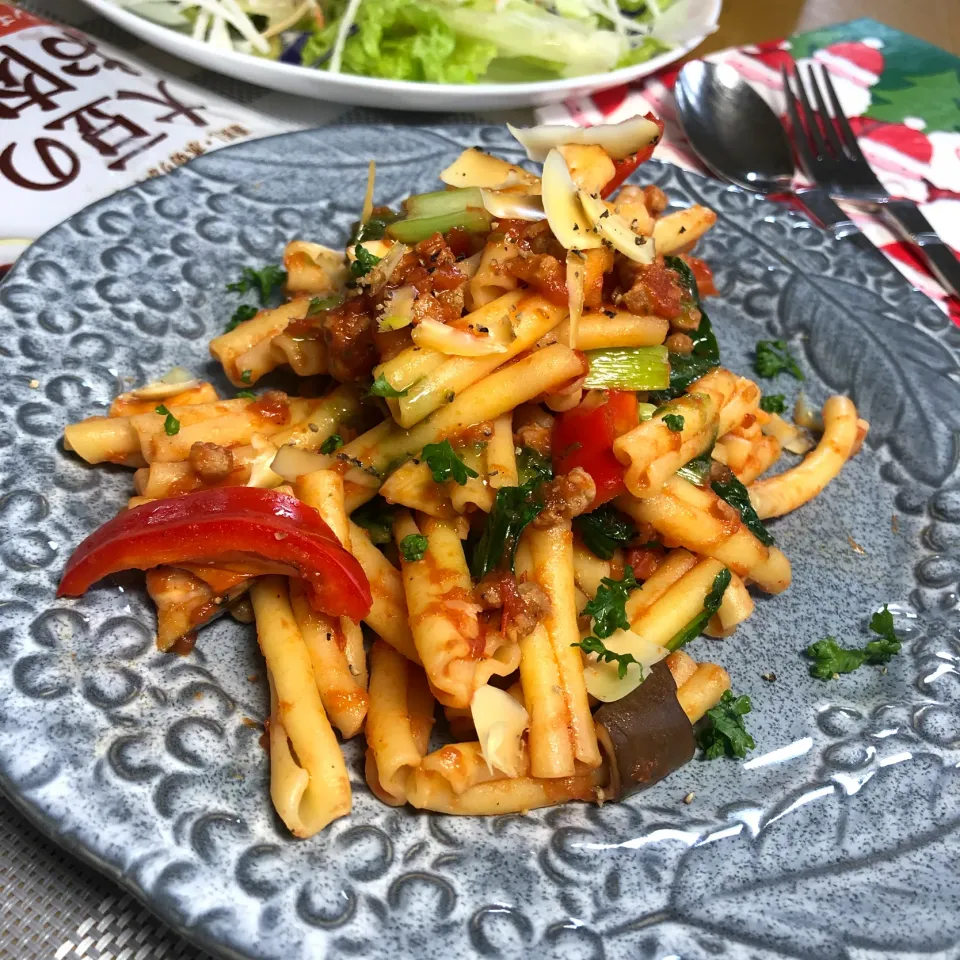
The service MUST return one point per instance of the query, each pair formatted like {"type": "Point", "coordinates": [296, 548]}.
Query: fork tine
{"type": "Point", "coordinates": [840, 119]}
{"type": "Point", "coordinates": [829, 125]}
{"type": "Point", "coordinates": [813, 128]}
{"type": "Point", "coordinates": [800, 141]}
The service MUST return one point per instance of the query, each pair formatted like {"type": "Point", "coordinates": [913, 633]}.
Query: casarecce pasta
{"type": "Point", "coordinates": [515, 483]}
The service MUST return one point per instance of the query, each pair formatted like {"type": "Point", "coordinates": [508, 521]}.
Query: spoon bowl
{"type": "Point", "coordinates": [732, 128]}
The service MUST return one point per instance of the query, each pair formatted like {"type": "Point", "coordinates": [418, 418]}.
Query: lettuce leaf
{"type": "Point", "coordinates": [403, 40]}
{"type": "Point", "coordinates": [519, 27]}
{"type": "Point", "coordinates": [645, 50]}
{"type": "Point", "coordinates": [521, 70]}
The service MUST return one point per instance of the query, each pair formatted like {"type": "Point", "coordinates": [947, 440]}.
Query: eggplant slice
{"type": "Point", "coordinates": [645, 735]}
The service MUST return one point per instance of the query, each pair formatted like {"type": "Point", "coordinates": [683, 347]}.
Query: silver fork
{"type": "Point", "coordinates": [832, 158]}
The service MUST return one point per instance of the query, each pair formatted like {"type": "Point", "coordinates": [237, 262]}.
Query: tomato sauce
{"type": "Point", "coordinates": [272, 406]}
{"type": "Point", "coordinates": [543, 272]}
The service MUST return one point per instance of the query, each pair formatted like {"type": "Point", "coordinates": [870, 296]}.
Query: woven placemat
{"type": "Point", "coordinates": [53, 906]}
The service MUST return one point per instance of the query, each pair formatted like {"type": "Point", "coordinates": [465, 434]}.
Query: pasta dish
{"type": "Point", "coordinates": [511, 487]}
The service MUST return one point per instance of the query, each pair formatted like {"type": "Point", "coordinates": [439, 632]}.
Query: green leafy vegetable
{"type": "Point", "coordinates": [773, 403]}
{"type": "Point", "coordinates": [604, 529]}
{"type": "Point", "coordinates": [320, 304]}
{"type": "Point", "coordinates": [333, 442]}
{"type": "Point", "coordinates": [413, 547]}
{"type": "Point", "coordinates": [830, 659]}
{"type": "Point", "coordinates": [686, 368]}
{"type": "Point", "coordinates": [711, 604]}
{"type": "Point", "coordinates": [245, 376]}
{"type": "Point", "coordinates": [647, 48]}
{"type": "Point", "coordinates": [376, 517]}
{"type": "Point", "coordinates": [735, 493]}
{"type": "Point", "coordinates": [622, 660]}
{"type": "Point", "coordinates": [881, 623]}
{"type": "Point", "coordinates": [364, 263]}
{"type": "Point", "coordinates": [568, 39]}
{"type": "Point", "coordinates": [171, 425]}
{"type": "Point", "coordinates": [532, 467]}
{"type": "Point", "coordinates": [246, 395]}
{"type": "Point", "coordinates": [674, 422]}
{"type": "Point", "coordinates": [609, 607]}
{"type": "Point", "coordinates": [697, 471]}
{"type": "Point", "coordinates": [520, 70]}
{"type": "Point", "coordinates": [401, 40]}
{"type": "Point", "coordinates": [264, 281]}
{"type": "Point", "coordinates": [242, 313]}
{"type": "Point", "coordinates": [723, 732]}
{"type": "Point", "coordinates": [444, 463]}
{"type": "Point", "coordinates": [882, 651]}
{"type": "Point", "coordinates": [628, 368]}
{"type": "Point", "coordinates": [513, 508]}
{"type": "Point", "coordinates": [773, 357]}
{"type": "Point", "coordinates": [381, 388]}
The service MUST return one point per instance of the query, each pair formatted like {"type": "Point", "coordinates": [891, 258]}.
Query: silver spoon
{"type": "Point", "coordinates": [735, 133]}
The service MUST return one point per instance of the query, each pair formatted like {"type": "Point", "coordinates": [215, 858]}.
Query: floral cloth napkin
{"type": "Point", "coordinates": [902, 96]}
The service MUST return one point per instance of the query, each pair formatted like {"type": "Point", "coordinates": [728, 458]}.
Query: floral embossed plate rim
{"type": "Point", "coordinates": [148, 766]}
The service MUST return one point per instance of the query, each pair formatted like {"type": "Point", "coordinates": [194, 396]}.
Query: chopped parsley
{"type": "Point", "coordinates": [881, 623]}
{"type": "Point", "coordinates": [604, 529]}
{"type": "Point", "coordinates": [264, 281]}
{"type": "Point", "coordinates": [382, 388]}
{"type": "Point", "coordinates": [334, 442]}
{"type": "Point", "coordinates": [413, 547]}
{"type": "Point", "coordinates": [830, 659]}
{"type": "Point", "coordinates": [171, 425]}
{"type": "Point", "coordinates": [609, 607]}
{"type": "Point", "coordinates": [773, 357]}
{"type": "Point", "coordinates": [723, 733]}
{"type": "Point", "coordinates": [376, 517]}
{"type": "Point", "coordinates": [674, 422]}
{"type": "Point", "coordinates": [735, 493]}
{"type": "Point", "coordinates": [773, 403]}
{"type": "Point", "coordinates": [711, 604]}
{"type": "Point", "coordinates": [319, 304]}
{"type": "Point", "coordinates": [245, 376]}
{"type": "Point", "coordinates": [622, 660]}
{"type": "Point", "coordinates": [246, 395]}
{"type": "Point", "coordinates": [444, 463]}
{"type": "Point", "coordinates": [364, 263]}
{"type": "Point", "coordinates": [243, 313]}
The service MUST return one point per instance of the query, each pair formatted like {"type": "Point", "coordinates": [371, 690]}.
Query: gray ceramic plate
{"type": "Point", "coordinates": [837, 839]}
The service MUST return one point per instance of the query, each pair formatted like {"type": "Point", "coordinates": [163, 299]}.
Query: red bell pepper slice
{"type": "Point", "coordinates": [262, 530]}
{"type": "Point", "coordinates": [583, 437]}
{"type": "Point", "coordinates": [623, 168]}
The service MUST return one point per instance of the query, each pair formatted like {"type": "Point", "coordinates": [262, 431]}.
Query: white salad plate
{"type": "Point", "coordinates": [686, 23]}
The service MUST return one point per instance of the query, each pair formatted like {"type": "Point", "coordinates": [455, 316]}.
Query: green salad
{"type": "Point", "coordinates": [435, 41]}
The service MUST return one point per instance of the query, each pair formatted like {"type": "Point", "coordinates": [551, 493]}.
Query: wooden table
{"type": "Point", "coordinates": [750, 21]}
